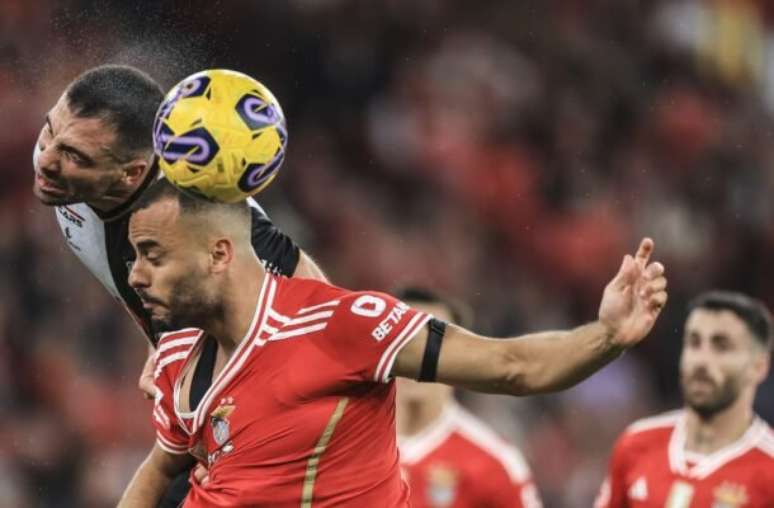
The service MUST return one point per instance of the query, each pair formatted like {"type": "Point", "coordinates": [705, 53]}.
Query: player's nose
{"type": "Point", "coordinates": [48, 160]}
{"type": "Point", "coordinates": [700, 357]}
{"type": "Point", "coordinates": [138, 277]}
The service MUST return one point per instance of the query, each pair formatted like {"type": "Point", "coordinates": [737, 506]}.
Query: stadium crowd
{"type": "Point", "coordinates": [515, 145]}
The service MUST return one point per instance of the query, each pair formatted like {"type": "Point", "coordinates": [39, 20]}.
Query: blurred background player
{"type": "Point", "coordinates": [450, 458]}
{"type": "Point", "coordinates": [94, 158]}
{"type": "Point", "coordinates": [715, 451]}
{"type": "Point", "coordinates": [301, 408]}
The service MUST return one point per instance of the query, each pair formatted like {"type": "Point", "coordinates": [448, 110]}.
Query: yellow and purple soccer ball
{"type": "Point", "coordinates": [220, 135]}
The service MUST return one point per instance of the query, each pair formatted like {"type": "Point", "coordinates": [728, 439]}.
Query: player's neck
{"type": "Point", "coordinates": [707, 435]}
{"type": "Point", "coordinates": [412, 417]}
{"type": "Point", "coordinates": [240, 300]}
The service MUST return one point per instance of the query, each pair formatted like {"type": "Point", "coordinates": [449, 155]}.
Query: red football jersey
{"type": "Point", "coordinates": [458, 462]}
{"type": "Point", "coordinates": [651, 468]}
{"type": "Point", "coordinates": [304, 410]}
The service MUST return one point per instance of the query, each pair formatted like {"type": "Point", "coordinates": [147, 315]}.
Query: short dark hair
{"type": "Point", "coordinates": [189, 204]}
{"type": "Point", "coordinates": [750, 310]}
{"type": "Point", "coordinates": [461, 314]}
{"type": "Point", "coordinates": [125, 97]}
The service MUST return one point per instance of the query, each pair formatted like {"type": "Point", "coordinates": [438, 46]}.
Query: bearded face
{"type": "Point", "coordinates": [188, 304]}
{"type": "Point", "coordinates": [717, 360]}
{"type": "Point", "coordinates": [171, 273]}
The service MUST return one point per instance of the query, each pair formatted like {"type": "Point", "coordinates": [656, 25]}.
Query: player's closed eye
{"type": "Point", "coordinates": [154, 258]}
{"type": "Point", "coordinates": [74, 157]}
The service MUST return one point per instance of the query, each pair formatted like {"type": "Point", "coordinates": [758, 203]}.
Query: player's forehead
{"type": "Point", "coordinates": [709, 322]}
{"type": "Point", "coordinates": [93, 133]}
{"type": "Point", "coordinates": [156, 224]}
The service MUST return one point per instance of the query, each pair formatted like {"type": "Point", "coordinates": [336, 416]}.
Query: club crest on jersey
{"type": "Point", "coordinates": [221, 427]}
{"type": "Point", "coordinates": [441, 486]}
{"type": "Point", "coordinates": [730, 495]}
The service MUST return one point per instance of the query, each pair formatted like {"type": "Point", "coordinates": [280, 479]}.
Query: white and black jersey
{"type": "Point", "coordinates": [101, 242]}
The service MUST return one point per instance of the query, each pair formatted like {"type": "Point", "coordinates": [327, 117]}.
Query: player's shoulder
{"type": "Point", "coordinates": [76, 214]}
{"type": "Point", "coordinates": [295, 294]}
{"type": "Point", "coordinates": [652, 431]}
{"type": "Point", "coordinates": [182, 338]}
{"type": "Point", "coordinates": [298, 306]}
{"type": "Point", "coordinates": [80, 210]}
{"type": "Point", "coordinates": [656, 423]}
{"type": "Point", "coordinates": [312, 294]}
{"type": "Point", "coordinates": [765, 442]}
{"type": "Point", "coordinates": [489, 444]}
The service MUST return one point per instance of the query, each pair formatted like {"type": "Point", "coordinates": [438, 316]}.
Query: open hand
{"type": "Point", "coordinates": [634, 298]}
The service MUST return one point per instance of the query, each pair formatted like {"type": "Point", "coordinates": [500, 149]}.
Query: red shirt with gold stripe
{"type": "Point", "coordinates": [304, 410]}
{"type": "Point", "coordinates": [650, 468]}
{"type": "Point", "coordinates": [459, 462]}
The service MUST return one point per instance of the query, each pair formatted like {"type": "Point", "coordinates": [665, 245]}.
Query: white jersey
{"type": "Point", "coordinates": [101, 243]}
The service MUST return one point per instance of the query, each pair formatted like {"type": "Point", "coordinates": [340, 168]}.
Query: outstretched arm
{"type": "Point", "coordinates": [553, 360]}
{"type": "Point", "coordinates": [152, 478]}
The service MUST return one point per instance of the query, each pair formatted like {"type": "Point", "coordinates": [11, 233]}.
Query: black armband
{"type": "Point", "coordinates": [436, 331]}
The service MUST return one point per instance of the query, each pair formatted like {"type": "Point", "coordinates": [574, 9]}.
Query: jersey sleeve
{"type": "Point", "coordinates": [169, 435]}
{"type": "Point", "coordinates": [367, 331]}
{"type": "Point", "coordinates": [274, 248]}
{"type": "Point", "coordinates": [612, 493]}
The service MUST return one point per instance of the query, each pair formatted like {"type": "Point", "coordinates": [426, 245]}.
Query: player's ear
{"type": "Point", "coordinates": [134, 171]}
{"type": "Point", "coordinates": [761, 365]}
{"type": "Point", "coordinates": [221, 254]}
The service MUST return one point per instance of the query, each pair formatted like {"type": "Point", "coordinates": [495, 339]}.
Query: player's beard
{"type": "Point", "coordinates": [190, 305]}
{"type": "Point", "coordinates": [721, 397]}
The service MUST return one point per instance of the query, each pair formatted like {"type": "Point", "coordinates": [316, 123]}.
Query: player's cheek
{"type": "Point", "coordinates": [687, 361]}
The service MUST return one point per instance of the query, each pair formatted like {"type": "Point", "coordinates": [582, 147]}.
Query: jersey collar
{"type": "Point", "coordinates": [701, 466]}
{"type": "Point", "coordinates": [414, 448]}
{"type": "Point", "coordinates": [192, 421]}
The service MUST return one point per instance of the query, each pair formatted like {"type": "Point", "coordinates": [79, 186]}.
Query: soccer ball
{"type": "Point", "coordinates": [220, 135]}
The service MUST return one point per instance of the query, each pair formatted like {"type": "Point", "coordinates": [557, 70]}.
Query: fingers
{"type": "Point", "coordinates": [201, 475]}
{"type": "Point", "coordinates": [148, 387]}
{"type": "Point", "coordinates": [654, 289]}
{"type": "Point", "coordinates": [632, 267]}
{"type": "Point", "coordinates": [653, 286]}
{"type": "Point", "coordinates": [146, 383]}
{"type": "Point", "coordinates": [652, 280]}
{"type": "Point", "coordinates": [653, 271]}
{"type": "Point", "coordinates": [657, 301]}
{"type": "Point", "coordinates": [643, 252]}
{"type": "Point", "coordinates": [627, 273]}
